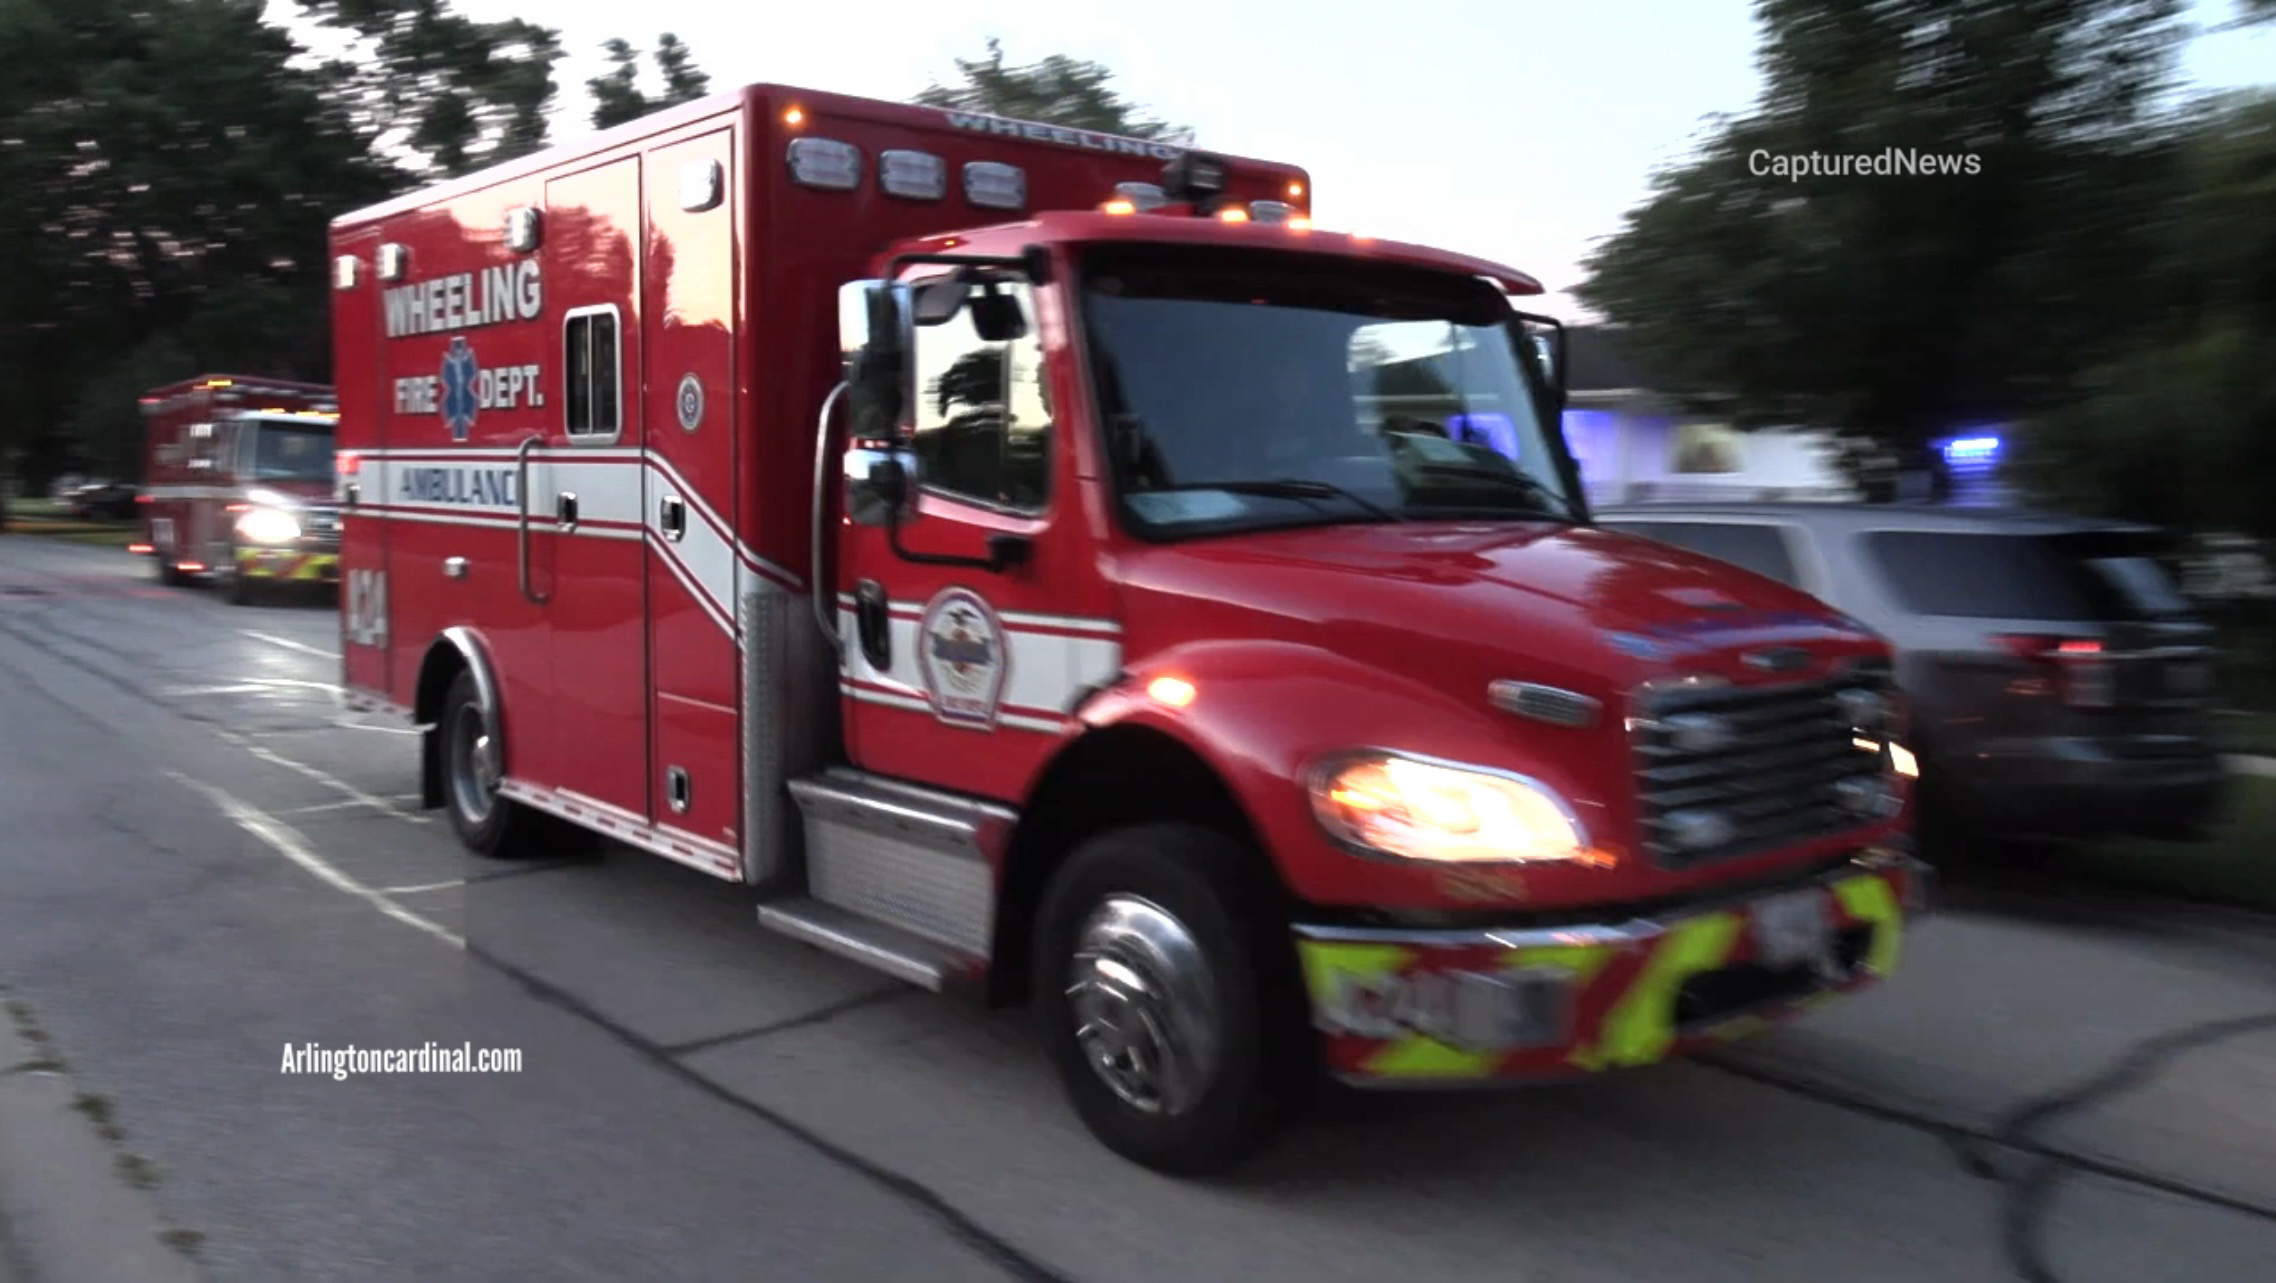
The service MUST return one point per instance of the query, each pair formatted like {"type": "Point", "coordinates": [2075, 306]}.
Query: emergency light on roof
{"type": "Point", "coordinates": [1195, 179]}
{"type": "Point", "coordinates": [825, 163]}
{"type": "Point", "coordinates": [1271, 211]}
{"type": "Point", "coordinates": [1142, 196]}
{"type": "Point", "coordinates": [994, 185]}
{"type": "Point", "coordinates": [393, 259]}
{"type": "Point", "coordinates": [344, 272]}
{"type": "Point", "coordinates": [912, 175]}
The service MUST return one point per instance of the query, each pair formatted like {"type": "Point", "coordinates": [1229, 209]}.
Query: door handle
{"type": "Point", "coordinates": [565, 510]}
{"type": "Point", "coordinates": [521, 517]}
{"type": "Point", "coordinates": [873, 618]}
{"type": "Point", "coordinates": [672, 515]}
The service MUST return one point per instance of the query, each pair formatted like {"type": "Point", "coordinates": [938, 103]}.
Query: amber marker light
{"type": "Point", "coordinates": [1175, 692]}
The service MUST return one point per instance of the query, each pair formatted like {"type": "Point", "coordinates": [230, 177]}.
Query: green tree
{"type": "Point", "coordinates": [617, 96]}
{"type": "Point", "coordinates": [456, 93]}
{"type": "Point", "coordinates": [1057, 90]}
{"type": "Point", "coordinates": [1891, 306]}
{"type": "Point", "coordinates": [2180, 427]}
{"type": "Point", "coordinates": [167, 175]}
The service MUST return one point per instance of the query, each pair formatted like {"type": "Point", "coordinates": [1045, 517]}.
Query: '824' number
{"type": "Point", "coordinates": [366, 600]}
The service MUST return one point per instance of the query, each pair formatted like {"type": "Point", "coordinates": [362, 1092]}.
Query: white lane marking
{"type": "Point", "coordinates": [429, 886]}
{"type": "Point", "coordinates": [284, 841]}
{"type": "Point", "coordinates": [289, 644]}
{"type": "Point", "coordinates": [332, 782]}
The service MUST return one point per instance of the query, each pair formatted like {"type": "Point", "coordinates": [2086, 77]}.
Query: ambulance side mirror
{"type": "Point", "coordinates": [874, 337]}
{"type": "Point", "coordinates": [881, 487]}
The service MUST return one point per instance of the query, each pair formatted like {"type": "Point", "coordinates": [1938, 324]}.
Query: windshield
{"type": "Point", "coordinates": [1241, 391]}
{"type": "Point", "coordinates": [282, 453]}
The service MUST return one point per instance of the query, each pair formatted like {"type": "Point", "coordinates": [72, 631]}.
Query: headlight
{"type": "Point", "coordinates": [1419, 810]}
{"type": "Point", "coordinates": [268, 525]}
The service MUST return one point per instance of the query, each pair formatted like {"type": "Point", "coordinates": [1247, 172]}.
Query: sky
{"type": "Point", "coordinates": [1517, 131]}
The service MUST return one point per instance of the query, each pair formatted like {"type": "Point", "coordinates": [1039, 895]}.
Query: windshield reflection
{"type": "Point", "coordinates": [1249, 390]}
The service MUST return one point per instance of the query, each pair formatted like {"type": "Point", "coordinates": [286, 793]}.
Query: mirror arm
{"type": "Point", "coordinates": [1004, 550]}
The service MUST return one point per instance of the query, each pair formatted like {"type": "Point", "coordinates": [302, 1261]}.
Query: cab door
{"type": "Point", "coordinates": [958, 675]}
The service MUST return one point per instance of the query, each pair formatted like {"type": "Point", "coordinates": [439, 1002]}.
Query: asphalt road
{"type": "Point", "coordinates": [203, 859]}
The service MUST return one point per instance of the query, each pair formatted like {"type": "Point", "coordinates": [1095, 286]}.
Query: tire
{"type": "Point", "coordinates": [1217, 998]}
{"type": "Point", "coordinates": [243, 589]}
{"type": "Point", "coordinates": [487, 824]}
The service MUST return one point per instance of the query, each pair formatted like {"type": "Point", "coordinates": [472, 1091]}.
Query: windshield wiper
{"type": "Point", "coordinates": [1561, 507]}
{"type": "Point", "coordinates": [1296, 488]}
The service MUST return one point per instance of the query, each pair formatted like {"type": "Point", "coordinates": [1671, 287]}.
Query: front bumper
{"type": "Point", "coordinates": [289, 564]}
{"type": "Point", "coordinates": [1423, 1008]}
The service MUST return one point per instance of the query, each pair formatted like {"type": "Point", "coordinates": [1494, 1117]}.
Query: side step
{"type": "Point", "coordinates": [904, 955]}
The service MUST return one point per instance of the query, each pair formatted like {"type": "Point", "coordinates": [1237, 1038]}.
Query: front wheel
{"type": "Point", "coordinates": [1167, 988]}
{"type": "Point", "coordinates": [244, 589]}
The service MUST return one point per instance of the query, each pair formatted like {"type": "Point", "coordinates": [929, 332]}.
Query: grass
{"type": "Point", "coordinates": [2247, 732]}
{"type": "Point", "coordinates": [2236, 865]}
{"type": "Point", "coordinates": [48, 519]}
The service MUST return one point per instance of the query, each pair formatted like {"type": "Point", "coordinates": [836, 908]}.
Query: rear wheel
{"type": "Point", "coordinates": [1168, 994]}
{"type": "Point", "coordinates": [473, 769]}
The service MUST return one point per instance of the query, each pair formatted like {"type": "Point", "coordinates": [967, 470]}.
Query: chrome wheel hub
{"type": "Point", "coordinates": [475, 768]}
{"type": "Point", "coordinates": [1145, 1005]}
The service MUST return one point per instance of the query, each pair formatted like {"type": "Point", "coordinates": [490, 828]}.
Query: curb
{"type": "Point", "coordinates": [67, 1212]}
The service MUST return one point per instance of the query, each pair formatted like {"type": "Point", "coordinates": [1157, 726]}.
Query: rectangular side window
{"type": "Point", "coordinates": [984, 415]}
{"type": "Point", "coordinates": [593, 401]}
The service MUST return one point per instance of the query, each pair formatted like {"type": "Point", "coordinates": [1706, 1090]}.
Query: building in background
{"type": "Point", "coordinates": [1635, 445]}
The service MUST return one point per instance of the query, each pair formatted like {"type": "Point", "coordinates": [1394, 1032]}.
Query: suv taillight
{"type": "Point", "coordinates": [2079, 668]}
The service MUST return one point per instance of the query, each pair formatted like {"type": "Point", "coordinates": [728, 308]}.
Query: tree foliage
{"type": "Point", "coordinates": [455, 92]}
{"type": "Point", "coordinates": [167, 173]}
{"type": "Point", "coordinates": [1056, 90]}
{"type": "Point", "coordinates": [617, 96]}
{"type": "Point", "coordinates": [2179, 427]}
{"type": "Point", "coordinates": [1891, 306]}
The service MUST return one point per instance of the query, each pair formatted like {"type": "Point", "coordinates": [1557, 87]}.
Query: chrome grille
{"type": "Point", "coordinates": [1789, 768]}
{"type": "Point", "coordinates": [320, 526]}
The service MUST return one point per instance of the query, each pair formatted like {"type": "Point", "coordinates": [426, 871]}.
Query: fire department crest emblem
{"type": "Point", "coordinates": [963, 657]}
{"type": "Point", "coordinates": [460, 379]}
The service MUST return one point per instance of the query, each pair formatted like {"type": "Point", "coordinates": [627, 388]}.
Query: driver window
{"type": "Point", "coordinates": [983, 413]}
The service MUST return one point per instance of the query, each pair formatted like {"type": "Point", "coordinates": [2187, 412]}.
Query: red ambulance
{"type": "Point", "coordinates": [238, 483]}
{"type": "Point", "coordinates": [1046, 562]}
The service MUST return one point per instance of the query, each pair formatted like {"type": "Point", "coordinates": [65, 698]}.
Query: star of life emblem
{"type": "Point", "coordinates": [460, 379]}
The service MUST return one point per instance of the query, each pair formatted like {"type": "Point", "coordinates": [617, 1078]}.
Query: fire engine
{"type": "Point", "coordinates": [1046, 565]}
{"type": "Point", "coordinates": [238, 483]}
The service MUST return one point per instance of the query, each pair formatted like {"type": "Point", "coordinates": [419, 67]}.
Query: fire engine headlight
{"type": "Point", "coordinates": [1417, 809]}
{"type": "Point", "coordinates": [268, 525]}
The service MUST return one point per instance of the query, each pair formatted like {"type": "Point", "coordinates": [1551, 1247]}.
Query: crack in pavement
{"type": "Point", "coordinates": [820, 1015]}
{"type": "Point", "coordinates": [2032, 1195]}
{"type": "Point", "coordinates": [963, 1225]}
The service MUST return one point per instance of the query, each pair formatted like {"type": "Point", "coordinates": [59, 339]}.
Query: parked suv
{"type": "Point", "coordinates": [2060, 685]}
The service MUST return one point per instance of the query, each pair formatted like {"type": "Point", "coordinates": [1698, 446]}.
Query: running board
{"type": "Point", "coordinates": [903, 955]}
{"type": "Point", "coordinates": [903, 856]}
